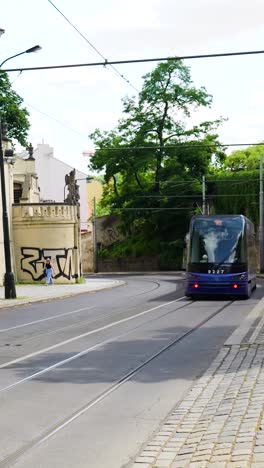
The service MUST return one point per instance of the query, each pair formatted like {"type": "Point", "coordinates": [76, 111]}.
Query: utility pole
{"type": "Point", "coordinates": [9, 280]}
{"type": "Point", "coordinates": [95, 263]}
{"type": "Point", "coordinates": [261, 227]}
{"type": "Point", "coordinates": [204, 200]}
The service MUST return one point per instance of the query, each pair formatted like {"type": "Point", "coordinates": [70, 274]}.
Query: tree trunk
{"type": "Point", "coordinates": [115, 186]}
{"type": "Point", "coordinates": [138, 181]}
{"type": "Point", "coordinates": [160, 151]}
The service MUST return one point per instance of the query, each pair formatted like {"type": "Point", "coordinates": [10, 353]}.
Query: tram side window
{"type": "Point", "coordinates": [198, 251]}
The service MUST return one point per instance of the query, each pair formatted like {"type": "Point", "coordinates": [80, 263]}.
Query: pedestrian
{"type": "Point", "coordinates": [48, 270]}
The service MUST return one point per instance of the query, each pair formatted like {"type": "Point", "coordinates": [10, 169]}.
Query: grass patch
{"type": "Point", "coordinates": [36, 283]}
{"type": "Point", "coordinates": [80, 280]}
{"type": "Point", "coordinates": [19, 298]}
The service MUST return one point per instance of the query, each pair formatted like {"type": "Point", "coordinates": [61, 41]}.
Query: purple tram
{"type": "Point", "coordinates": [221, 257]}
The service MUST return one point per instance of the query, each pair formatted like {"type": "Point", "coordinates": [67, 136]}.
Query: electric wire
{"type": "Point", "coordinates": [197, 195]}
{"type": "Point", "coordinates": [56, 120]}
{"type": "Point", "coordinates": [183, 145]}
{"type": "Point", "coordinates": [134, 61]}
{"type": "Point", "coordinates": [93, 46]}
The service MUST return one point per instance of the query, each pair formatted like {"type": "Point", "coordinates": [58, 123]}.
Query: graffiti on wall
{"type": "Point", "coordinates": [112, 234]}
{"type": "Point", "coordinates": [33, 261]}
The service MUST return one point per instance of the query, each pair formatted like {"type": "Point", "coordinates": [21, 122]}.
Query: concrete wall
{"type": "Point", "coordinates": [94, 190]}
{"type": "Point", "coordinates": [46, 230]}
{"type": "Point", "coordinates": [108, 231]}
{"type": "Point", "coordinates": [87, 252]}
{"type": "Point", "coordinates": [128, 264]}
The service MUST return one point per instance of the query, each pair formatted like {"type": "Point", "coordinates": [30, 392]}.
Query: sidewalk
{"type": "Point", "coordinates": [29, 293]}
{"type": "Point", "coordinates": [220, 423]}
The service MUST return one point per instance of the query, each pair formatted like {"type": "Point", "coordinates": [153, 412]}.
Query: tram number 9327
{"type": "Point", "coordinates": [216, 272]}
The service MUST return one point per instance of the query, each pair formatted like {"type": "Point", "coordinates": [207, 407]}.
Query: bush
{"type": "Point", "coordinates": [134, 246]}
{"type": "Point", "coordinates": [170, 253]}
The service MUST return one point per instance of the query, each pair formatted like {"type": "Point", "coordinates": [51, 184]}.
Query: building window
{"type": "Point", "coordinates": [17, 192]}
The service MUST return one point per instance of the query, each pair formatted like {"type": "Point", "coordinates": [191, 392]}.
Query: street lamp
{"type": "Point", "coordinates": [2, 31]}
{"type": "Point", "coordinates": [9, 280]}
{"type": "Point", "coordinates": [36, 48]}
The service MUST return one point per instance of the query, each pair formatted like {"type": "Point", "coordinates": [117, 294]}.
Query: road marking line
{"type": "Point", "coordinates": [76, 356]}
{"type": "Point", "coordinates": [45, 319]}
{"type": "Point", "coordinates": [75, 338]}
{"type": "Point", "coordinates": [75, 324]}
{"type": "Point", "coordinates": [240, 332]}
{"type": "Point", "coordinates": [256, 331]}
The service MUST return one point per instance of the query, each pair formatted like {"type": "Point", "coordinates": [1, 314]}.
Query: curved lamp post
{"type": "Point", "coordinates": [10, 288]}
{"type": "Point", "coordinates": [36, 48]}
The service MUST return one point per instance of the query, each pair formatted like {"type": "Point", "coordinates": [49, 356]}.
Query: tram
{"type": "Point", "coordinates": [221, 257]}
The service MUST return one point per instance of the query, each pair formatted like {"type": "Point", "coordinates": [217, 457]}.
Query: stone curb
{"type": "Point", "coordinates": [20, 302]}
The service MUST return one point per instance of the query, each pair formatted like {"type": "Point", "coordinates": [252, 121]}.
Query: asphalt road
{"type": "Point", "coordinates": [85, 381]}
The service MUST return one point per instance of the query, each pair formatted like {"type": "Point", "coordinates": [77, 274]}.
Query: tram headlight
{"type": "Point", "coordinates": [240, 277]}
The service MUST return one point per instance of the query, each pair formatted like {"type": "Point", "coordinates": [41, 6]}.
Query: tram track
{"type": "Point", "coordinates": [71, 313]}
{"type": "Point", "coordinates": [53, 429]}
{"type": "Point", "coordinates": [94, 331]}
{"type": "Point", "coordinates": [77, 324]}
{"type": "Point", "coordinates": [53, 317]}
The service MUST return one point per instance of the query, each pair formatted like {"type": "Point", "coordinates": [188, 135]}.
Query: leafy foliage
{"type": "Point", "coordinates": [12, 111]}
{"type": "Point", "coordinates": [134, 246]}
{"type": "Point", "coordinates": [234, 186]}
{"type": "Point", "coordinates": [233, 195]}
{"type": "Point", "coordinates": [244, 160]}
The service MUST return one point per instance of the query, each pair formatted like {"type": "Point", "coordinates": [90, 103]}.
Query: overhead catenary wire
{"type": "Point", "coordinates": [60, 122]}
{"type": "Point", "coordinates": [134, 61]}
{"type": "Point", "coordinates": [198, 195]}
{"type": "Point", "coordinates": [184, 145]}
{"type": "Point", "coordinates": [134, 208]}
{"type": "Point", "coordinates": [56, 120]}
{"type": "Point", "coordinates": [111, 63]}
{"type": "Point", "coordinates": [189, 181]}
{"type": "Point", "coordinates": [92, 46]}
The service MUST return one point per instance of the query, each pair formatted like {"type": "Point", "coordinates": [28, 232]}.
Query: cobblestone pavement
{"type": "Point", "coordinates": [220, 423]}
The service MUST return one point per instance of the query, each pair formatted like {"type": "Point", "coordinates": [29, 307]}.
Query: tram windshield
{"type": "Point", "coordinates": [217, 240]}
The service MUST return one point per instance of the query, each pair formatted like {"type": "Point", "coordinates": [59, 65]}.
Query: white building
{"type": "Point", "coordinates": [51, 178]}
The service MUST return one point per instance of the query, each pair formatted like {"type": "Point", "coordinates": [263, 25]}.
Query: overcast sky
{"type": "Point", "coordinates": [86, 98]}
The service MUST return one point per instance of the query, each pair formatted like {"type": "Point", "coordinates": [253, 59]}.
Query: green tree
{"type": "Point", "coordinates": [234, 185]}
{"type": "Point", "coordinates": [12, 111]}
{"type": "Point", "coordinates": [154, 149]}
{"type": "Point", "coordinates": [244, 160]}
{"type": "Point", "coordinates": [232, 192]}
{"type": "Point", "coordinates": [156, 120]}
